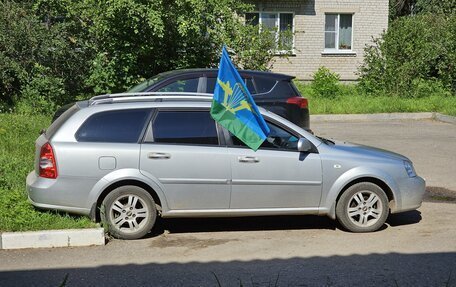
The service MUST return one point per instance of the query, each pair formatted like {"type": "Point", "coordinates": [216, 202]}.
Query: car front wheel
{"type": "Point", "coordinates": [363, 207]}
{"type": "Point", "coordinates": [129, 212]}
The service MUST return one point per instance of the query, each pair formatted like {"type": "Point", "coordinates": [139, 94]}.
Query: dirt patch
{"type": "Point", "coordinates": [165, 241]}
{"type": "Point", "coordinates": [435, 193]}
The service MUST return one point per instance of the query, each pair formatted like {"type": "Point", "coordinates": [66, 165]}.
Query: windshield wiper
{"type": "Point", "coordinates": [326, 141]}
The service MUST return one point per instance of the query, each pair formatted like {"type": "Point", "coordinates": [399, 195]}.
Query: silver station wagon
{"type": "Point", "coordinates": [126, 159]}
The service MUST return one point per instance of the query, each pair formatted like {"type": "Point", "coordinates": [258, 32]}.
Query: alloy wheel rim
{"type": "Point", "coordinates": [129, 213]}
{"type": "Point", "coordinates": [364, 208]}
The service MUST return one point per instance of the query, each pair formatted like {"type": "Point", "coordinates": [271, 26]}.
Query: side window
{"type": "Point", "coordinates": [210, 86]}
{"type": "Point", "coordinates": [185, 85]}
{"type": "Point", "coordinates": [184, 127]}
{"type": "Point", "coordinates": [278, 138]}
{"type": "Point", "coordinates": [123, 126]}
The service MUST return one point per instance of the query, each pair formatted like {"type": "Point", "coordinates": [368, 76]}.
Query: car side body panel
{"type": "Point", "coordinates": [86, 170]}
{"type": "Point", "coordinates": [128, 174]}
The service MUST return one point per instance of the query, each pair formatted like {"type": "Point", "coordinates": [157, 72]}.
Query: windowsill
{"type": "Point", "coordinates": [338, 53]}
{"type": "Point", "coordinates": [285, 53]}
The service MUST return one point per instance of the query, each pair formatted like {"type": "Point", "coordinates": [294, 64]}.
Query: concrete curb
{"type": "Point", "coordinates": [383, 117]}
{"type": "Point", "coordinates": [445, 118]}
{"type": "Point", "coordinates": [52, 238]}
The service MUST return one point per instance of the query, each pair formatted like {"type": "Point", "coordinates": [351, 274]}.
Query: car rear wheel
{"type": "Point", "coordinates": [363, 207]}
{"type": "Point", "coordinates": [129, 211]}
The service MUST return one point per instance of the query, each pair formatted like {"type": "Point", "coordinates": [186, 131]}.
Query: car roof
{"type": "Point", "coordinates": [181, 103]}
{"type": "Point", "coordinates": [252, 73]}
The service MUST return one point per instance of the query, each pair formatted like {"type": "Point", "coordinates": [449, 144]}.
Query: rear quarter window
{"type": "Point", "coordinates": [122, 126]}
{"type": "Point", "coordinates": [283, 89]}
{"type": "Point", "coordinates": [263, 85]}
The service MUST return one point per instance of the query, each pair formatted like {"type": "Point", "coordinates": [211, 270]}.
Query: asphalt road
{"type": "Point", "coordinates": [416, 248]}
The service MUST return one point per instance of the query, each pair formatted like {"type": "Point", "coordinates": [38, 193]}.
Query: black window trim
{"type": "Point", "coordinates": [141, 135]}
{"type": "Point", "coordinates": [149, 126]}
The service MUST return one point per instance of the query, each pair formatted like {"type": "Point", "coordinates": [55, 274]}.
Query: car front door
{"type": "Point", "coordinates": [182, 151]}
{"type": "Point", "coordinates": [276, 175]}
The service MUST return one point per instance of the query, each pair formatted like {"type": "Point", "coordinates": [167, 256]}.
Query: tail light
{"type": "Point", "coordinates": [48, 167]}
{"type": "Point", "coordinates": [299, 101]}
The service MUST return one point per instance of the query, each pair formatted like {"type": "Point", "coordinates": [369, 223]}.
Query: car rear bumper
{"type": "Point", "coordinates": [42, 194]}
{"type": "Point", "coordinates": [412, 193]}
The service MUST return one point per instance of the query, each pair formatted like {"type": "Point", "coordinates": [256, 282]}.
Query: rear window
{"type": "Point", "coordinates": [55, 126]}
{"type": "Point", "coordinates": [185, 127]}
{"type": "Point", "coordinates": [123, 126]}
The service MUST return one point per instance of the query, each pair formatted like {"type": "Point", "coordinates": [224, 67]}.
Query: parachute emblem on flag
{"type": "Point", "coordinates": [234, 99]}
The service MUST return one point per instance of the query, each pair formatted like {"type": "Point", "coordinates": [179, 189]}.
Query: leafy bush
{"type": "Point", "coordinates": [422, 88]}
{"type": "Point", "coordinates": [41, 93]}
{"type": "Point", "coordinates": [415, 50]}
{"type": "Point", "coordinates": [325, 83]}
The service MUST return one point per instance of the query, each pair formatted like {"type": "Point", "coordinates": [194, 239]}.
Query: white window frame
{"type": "Point", "coordinates": [336, 50]}
{"type": "Point", "coordinates": [277, 25]}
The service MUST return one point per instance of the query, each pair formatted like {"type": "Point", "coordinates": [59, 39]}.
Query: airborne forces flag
{"type": "Point", "coordinates": [233, 106]}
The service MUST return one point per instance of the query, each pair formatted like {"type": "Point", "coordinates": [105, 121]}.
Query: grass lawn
{"type": "Point", "coordinates": [350, 101]}
{"type": "Point", "coordinates": [17, 137]}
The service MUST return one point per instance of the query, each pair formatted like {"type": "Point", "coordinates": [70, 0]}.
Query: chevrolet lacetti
{"type": "Point", "coordinates": [127, 159]}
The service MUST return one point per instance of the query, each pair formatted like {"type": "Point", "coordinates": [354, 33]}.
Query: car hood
{"type": "Point", "coordinates": [367, 151]}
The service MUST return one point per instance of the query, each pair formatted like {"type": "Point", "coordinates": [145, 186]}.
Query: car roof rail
{"type": "Point", "coordinates": [148, 96]}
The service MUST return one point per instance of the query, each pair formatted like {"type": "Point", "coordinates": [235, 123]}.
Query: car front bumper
{"type": "Point", "coordinates": [411, 193]}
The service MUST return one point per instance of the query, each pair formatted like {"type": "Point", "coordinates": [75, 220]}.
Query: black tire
{"type": "Point", "coordinates": [143, 214]}
{"type": "Point", "coordinates": [364, 217]}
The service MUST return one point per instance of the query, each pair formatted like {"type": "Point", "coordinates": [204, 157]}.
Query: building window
{"type": "Point", "coordinates": [338, 32]}
{"type": "Point", "coordinates": [280, 24]}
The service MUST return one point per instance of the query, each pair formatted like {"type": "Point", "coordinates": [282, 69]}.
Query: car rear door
{"type": "Point", "coordinates": [276, 175]}
{"type": "Point", "coordinates": [182, 150]}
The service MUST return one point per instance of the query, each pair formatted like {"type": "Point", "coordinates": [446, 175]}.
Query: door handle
{"type": "Point", "coordinates": [158, 155]}
{"type": "Point", "coordinates": [248, 159]}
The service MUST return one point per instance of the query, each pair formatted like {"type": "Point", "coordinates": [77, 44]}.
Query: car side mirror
{"type": "Point", "coordinates": [304, 145]}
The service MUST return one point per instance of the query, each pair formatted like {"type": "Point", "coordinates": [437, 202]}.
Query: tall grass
{"type": "Point", "coordinates": [17, 137]}
{"type": "Point", "coordinates": [352, 100]}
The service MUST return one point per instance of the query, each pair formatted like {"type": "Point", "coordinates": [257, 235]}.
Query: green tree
{"type": "Point", "coordinates": [400, 8]}
{"type": "Point", "coordinates": [438, 7]}
{"type": "Point", "coordinates": [86, 47]}
{"type": "Point", "coordinates": [41, 60]}
{"type": "Point", "coordinates": [136, 39]}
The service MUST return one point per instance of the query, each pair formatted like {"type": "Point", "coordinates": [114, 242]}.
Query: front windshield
{"type": "Point", "coordinates": [142, 87]}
